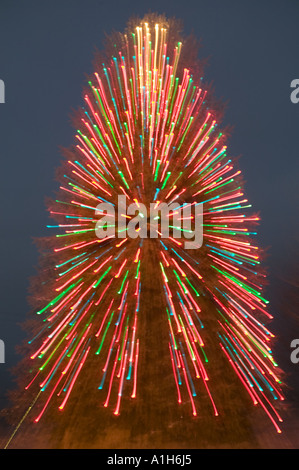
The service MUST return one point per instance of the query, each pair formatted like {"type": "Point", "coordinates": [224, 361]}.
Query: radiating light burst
{"type": "Point", "coordinates": [147, 131]}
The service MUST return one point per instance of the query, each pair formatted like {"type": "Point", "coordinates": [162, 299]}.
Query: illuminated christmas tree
{"type": "Point", "coordinates": [149, 132]}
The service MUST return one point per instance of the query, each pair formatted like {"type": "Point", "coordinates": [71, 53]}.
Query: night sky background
{"type": "Point", "coordinates": [46, 50]}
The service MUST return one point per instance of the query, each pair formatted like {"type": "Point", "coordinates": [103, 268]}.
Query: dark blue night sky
{"type": "Point", "coordinates": [46, 48]}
